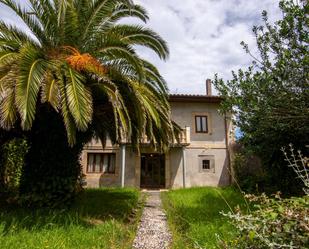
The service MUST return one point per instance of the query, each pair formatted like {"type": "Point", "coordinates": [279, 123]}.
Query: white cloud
{"type": "Point", "coordinates": [203, 37]}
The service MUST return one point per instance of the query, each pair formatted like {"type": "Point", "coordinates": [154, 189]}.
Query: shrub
{"type": "Point", "coordinates": [14, 152]}
{"type": "Point", "coordinates": [248, 172]}
{"type": "Point", "coordinates": [52, 168]}
{"type": "Point", "coordinates": [253, 176]}
{"type": "Point", "coordinates": [5, 138]}
{"type": "Point", "coordinates": [275, 222]}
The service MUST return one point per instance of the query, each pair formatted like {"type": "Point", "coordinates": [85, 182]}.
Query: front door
{"type": "Point", "coordinates": [152, 171]}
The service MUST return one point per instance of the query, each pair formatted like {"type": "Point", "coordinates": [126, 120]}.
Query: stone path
{"type": "Point", "coordinates": [153, 232]}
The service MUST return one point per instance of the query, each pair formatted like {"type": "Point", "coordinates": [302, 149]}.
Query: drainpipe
{"type": "Point", "coordinates": [184, 170]}
{"type": "Point", "coordinates": [228, 156]}
{"type": "Point", "coordinates": [123, 163]}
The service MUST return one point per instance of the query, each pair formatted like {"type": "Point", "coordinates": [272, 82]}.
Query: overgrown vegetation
{"type": "Point", "coordinates": [52, 168]}
{"type": "Point", "coordinates": [270, 99]}
{"type": "Point", "coordinates": [14, 152]}
{"type": "Point", "coordinates": [194, 216]}
{"type": "Point", "coordinates": [77, 65]}
{"type": "Point", "coordinates": [100, 218]}
{"type": "Point", "coordinates": [276, 222]}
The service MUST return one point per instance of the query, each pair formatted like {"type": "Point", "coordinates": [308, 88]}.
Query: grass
{"type": "Point", "coordinates": [194, 215]}
{"type": "Point", "coordinates": [100, 218]}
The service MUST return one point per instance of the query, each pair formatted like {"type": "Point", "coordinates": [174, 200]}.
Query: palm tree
{"type": "Point", "coordinates": [78, 57]}
{"type": "Point", "coordinates": [81, 61]}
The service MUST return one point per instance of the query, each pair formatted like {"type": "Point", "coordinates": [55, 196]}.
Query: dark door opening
{"type": "Point", "coordinates": [152, 171]}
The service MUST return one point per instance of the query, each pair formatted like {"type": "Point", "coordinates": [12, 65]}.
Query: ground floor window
{"type": "Point", "coordinates": [206, 163]}
{"type": "Point", "coordinates": [101, 163]}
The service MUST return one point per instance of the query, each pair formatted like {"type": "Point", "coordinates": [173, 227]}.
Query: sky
{"type": "Point", "coordinates": [203, 37]}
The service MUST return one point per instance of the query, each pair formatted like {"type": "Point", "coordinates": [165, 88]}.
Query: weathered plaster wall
{"type": "Point", "coordinates": [211, 144]}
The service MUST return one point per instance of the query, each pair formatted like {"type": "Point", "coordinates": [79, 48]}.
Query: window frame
{"type": "Point", "coordinates": [208, 164]}
{"type": "Point", "coordinates": [212, 163]}
{"type": "Point", "coordinates": [200, 118]}
{"type": "Point", "coordinates": [102, 156]}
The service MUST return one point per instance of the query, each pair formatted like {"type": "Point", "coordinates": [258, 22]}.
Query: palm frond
{"type": "Point", "coordinates": [138, 35]}
{"type": "Point", "coordinates": [121, 115]}
{"type": "Point", "coordinates": [30, 20]}
{"type": "Point", "coordinates": [103, 13]}
{"type": "Point", "coordinates": [79, 99]}
{"type": "Point", "coordinates": [8, 111]}
{"type": "Point", "coordinates": [11, 37]}
{"type": "Point", "coordinates": [50, 91]}
{"type": "Point", "coordinates": [61, 7]}
{"type": "Point", "coordinates": [123, 10]}
{"type": "Point", "coordinates": [112, 49]}
{"type": "Point", "coordinates": [45, 12]}
{"type": "Point", "coordinates": [31, 74]}
{"type": "Point", "coordinates": [67, 117]}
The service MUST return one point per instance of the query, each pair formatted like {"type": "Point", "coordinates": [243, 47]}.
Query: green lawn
{"type": "Point", "coordinates": [194, 215]}
{"type": "Point", "coordinates": [100, 218]}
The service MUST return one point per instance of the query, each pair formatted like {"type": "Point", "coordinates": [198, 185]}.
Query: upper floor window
{"type": "Point", "coordinates": [201, 125]}
{"type": "Point", "coordinates": [101, 163]}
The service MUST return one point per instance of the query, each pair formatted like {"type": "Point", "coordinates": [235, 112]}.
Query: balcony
{"type": "Point", "coordinates": [183, 140]}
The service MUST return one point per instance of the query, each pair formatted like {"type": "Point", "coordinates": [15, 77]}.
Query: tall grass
{"type": "Point", "coordinates": [194, 215]}
{"type": "Point", "coordinates": [100, 218]}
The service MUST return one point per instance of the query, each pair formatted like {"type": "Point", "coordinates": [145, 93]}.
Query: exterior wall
{"type": "Point", "coordinates": [211, 144]}
{"type": "Point", "coordinates": [95, 180]}
{"type": "Point", "coordinates": [183, 114]}
{"type": "Point", "coordinates": [194, 175]}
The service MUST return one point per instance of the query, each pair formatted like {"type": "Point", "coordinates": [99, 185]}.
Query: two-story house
{"type": "Point", "coordinates": [200, 158]}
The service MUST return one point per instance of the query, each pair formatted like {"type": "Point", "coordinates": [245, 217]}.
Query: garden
{"type": "Point", "coordinates": [98, 218]}
{"type": "Point", "coordinates": [75, 75]}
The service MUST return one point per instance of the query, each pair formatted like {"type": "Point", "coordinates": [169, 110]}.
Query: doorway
{"type": "Point", "coordinates": [152, 170]}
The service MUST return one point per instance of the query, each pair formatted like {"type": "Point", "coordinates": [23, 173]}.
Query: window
{"type": "Point", "coordinates": [201, 125]}
{"type": "Point", "coordinates": [101, 163]}
{"type": "Point", "coordinates": [206, 164]}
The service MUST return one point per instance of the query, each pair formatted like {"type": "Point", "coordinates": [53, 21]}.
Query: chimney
{"type": "Point", "coordinates": [208, 87]}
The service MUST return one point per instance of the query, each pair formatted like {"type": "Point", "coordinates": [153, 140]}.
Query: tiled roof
{"type": "Point", "coordinates": [194, 98]}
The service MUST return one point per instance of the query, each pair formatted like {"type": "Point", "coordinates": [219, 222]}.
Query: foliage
{"type": "Point", "coordinates": [276, 222]}
{"type": "Point", "coordinates": [80, 60]}
{"type": "Point", "coordinates": [5, 138]}
{"type": "Point", "coordinates": [194, 215]}
{"type": "Point", "coordinates": [249, 173]}
{"type": "Point", "coordinates": [14, 152]}
{"type": "Point", "coordinates": [52, 168]}
{"type": "Point", "coordinates": [300, 165]}
{"type": "Point", "coordinates": [99, 218]}
{"type": "Point", "coordinates": [270, 99]}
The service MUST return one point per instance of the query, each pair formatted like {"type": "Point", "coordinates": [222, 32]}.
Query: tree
{"type": "Point", "coordinates": [270, 100]}
{"type": "Point", "coordinates": [80, 63]}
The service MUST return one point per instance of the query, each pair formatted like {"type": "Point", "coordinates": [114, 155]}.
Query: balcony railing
{"type": "Point", "coordinates": [183, 140]}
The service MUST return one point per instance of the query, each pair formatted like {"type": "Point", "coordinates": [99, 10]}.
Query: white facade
{"type": "Point", "coordinates": [201, 159]}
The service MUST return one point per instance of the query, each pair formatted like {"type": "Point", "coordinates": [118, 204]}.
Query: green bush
{"type": "Point", "coordinates": [275, 222]}
{"type": "Point", "coordinates": [52, 168]}
{"type": "Point", "coordinates": [5, 138]}
{"type": "Point", "coordinates": [248, 172]}
{"type": "Point", "coordinates": [14, 152]}
{"type": "Point", "coordinates": [254, 177]}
